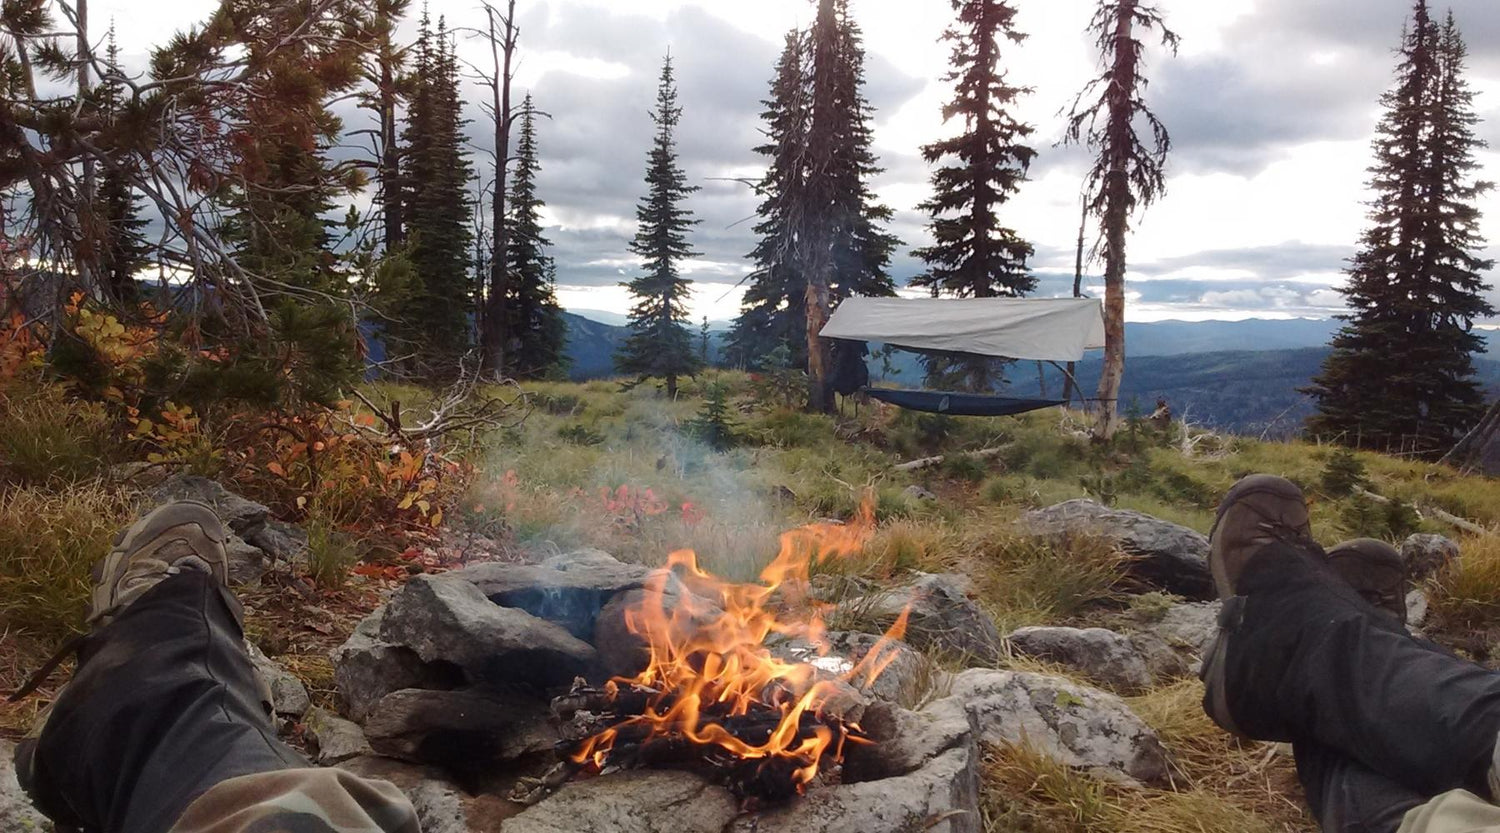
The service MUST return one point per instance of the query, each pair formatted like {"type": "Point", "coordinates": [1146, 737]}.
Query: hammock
{"type": "Point", "coordinates": [959, 404]}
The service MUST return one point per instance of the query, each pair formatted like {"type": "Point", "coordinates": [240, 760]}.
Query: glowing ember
{"type": "Point", "coordinates": [712, 685]}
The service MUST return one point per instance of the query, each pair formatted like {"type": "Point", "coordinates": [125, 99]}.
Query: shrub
{"type": "Point", "coordinates": [50, 438]}
{"type": "Point", "coordinates": [964, 467]}
{"type": "Point", "coordinates": [1342, 473]}
{"type": "Point", "coordinates": [713, 425]}
{"type": "Point", "coordinates": [580, 434]}
{"type": "Point", "coordinates": [331, 553]}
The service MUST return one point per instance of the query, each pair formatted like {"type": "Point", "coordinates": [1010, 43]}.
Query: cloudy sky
{"type": "Point", "coordinates": [1271, 105]}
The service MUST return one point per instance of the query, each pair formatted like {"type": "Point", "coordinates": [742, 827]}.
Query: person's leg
{"type": "Point", "coordinates": [165, 705]}
{"type": "Point", "coordinates": [1347, 797]}
{"type": "Point", "coordinates": [1303, 657]}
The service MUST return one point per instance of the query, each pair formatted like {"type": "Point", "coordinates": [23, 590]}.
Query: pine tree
{"type": "Point", "coordinates": [1401, 374]}
{"type": "Point", "coordinates": [660, 343]}
{"type": "Point", "coordinates": [862, 254]}
{"type": "Point", "coordinates": [124, 251]}
{"type": "Point", "coordinates": [436, 175]}
{"type": "Point", "coordinates": [973, 255]}
{"type": "Point", "coordinates": [1126, 175]}
{"type": "Point", "coordinates": [822, 228]}
{"type": "Point", "coordinates": [277, 226]}
{"type": "Point", "coordinates": [537, 329]}
{"type": "Point", "coordinates": [773, 311]}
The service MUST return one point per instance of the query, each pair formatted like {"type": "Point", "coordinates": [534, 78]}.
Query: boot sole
{"type": "Point", "coordinates": [1253, 485]}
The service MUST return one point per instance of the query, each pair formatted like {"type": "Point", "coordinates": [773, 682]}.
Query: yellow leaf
{"type": "Point", "coordinates": [437, 518]}
{"type": "Point", "coordinates": [406, 501]}
{"type": "Point", "coordinates": [424, 506]}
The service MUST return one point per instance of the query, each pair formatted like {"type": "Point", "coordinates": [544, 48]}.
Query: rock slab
{"type": "Point", "coordinates": [445, 618]}
{"type": "Point", "coordinates": [1165, 555]}
{"type": "Point", "coordinates": [289, 696]}
{"type": "Point", "coordinates": [943, 617]}
{"type": "Point", "coordinates": [1076, 725]}
{"type": "Point", "coordinates": [639, 801]}
{"type": "Point", "coordinates": [1425, 554]}
{"type": "Point", "coordinates": [16, 812]}
{"type": "Point", "coordinates": [366, 669]}
{"type": "Point", "coordinates": [462, 730]}
{"type": "Point", "coordinates": [337, 739]}
{"type": "Point", "coordinates": [568, 589]}
{"type": "Point", "coordinates": [1104, 656]}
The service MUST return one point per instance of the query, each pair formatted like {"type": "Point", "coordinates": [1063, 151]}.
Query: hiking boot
{"type": "Point", "coordinates": [1259, 510]}
{"type": "Point", "coordinates": [1375, 570]}
{"type": "Point", "coordinates": [186, 535]}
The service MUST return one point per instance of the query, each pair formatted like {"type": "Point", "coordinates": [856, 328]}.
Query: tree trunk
{"type": "Point", "coordinates": [494, 332]}
{"type": "Point", "coordinates": [91, 233]}
{"type": "Point", "coordinates": [819, 395]}
{"type": "Point", "coordinates": [1069, 385]}
{"type": "Point", "coordinates": [390, 170]}
{"type": "Point", "coordinates": [1116, 219]}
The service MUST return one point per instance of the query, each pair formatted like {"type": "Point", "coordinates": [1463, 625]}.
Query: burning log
{"type": "Point", "coordinates": [713, 699]}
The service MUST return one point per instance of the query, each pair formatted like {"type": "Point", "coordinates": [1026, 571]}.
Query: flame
{"type": "Point", "coordinates": [708, 660]}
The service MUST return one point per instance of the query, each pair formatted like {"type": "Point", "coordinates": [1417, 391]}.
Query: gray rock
{"type": "Point", "coordinates": [337, 739]}
{"type": "Point", "coordinates": [288, 695]}
{"type": "Point", "coordinates": [461, 730]}
{"type": "Point", "coordinates": [1425, 554]}
{"type": "Point", "coordinates": [281, 542]}
{"type": "Point", "coordinates": [243, 517]}
{"type": "Point", "coordinates": [1076, 725]}
{"type": "Point", "coordinates": [568, 589]}
{"type": "Point", "coordinates": [1189, 627]}
{"type": "Point", "coordinates": [918, 493]}
{"type": "Point", "coordinates": [942, 797]}
{"type": "Point", "coordinates": [246, 563]}
{"type": "Point", "coordinates": [1165, 555]}
{"type": "Point", "coordinates": [366, 669]}
{"type": "Point", "coordinates": [1416, 608]}
{"type": "Point", "coordinates": [1163, 661]}
{"type": "Point", "coordinates": [1104, 656]}
{"type": "Point", "coordinates": [943, 617]}
{"type": "Point", "coordinates": [16, 812]}
{"type": "Point", "coordinates": [639, 801]}
{"type": "Point", "coordinates": [446, 618]}
{"type": "Point", "coordinates": [623, 653]}
{"type": "Point", "coordinates": [905, 679]}
{"type": "Point", "coordinates": [441, 806]}
{"type": "Point", "coordinates": [904, 741]}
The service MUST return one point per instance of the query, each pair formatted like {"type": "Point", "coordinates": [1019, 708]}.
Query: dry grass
{"type": "Point", "coordinates": [1023, 581]}
{"type": "Point", "coordinates": [1465, 596]}
{"type": "Point", "coordinates": [51, 541]}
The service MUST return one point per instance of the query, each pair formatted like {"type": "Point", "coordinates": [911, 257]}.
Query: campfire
{"type": "Point", "coordinates": [714, 697]}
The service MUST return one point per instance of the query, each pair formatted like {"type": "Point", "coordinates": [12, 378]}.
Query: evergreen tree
{"type": "Point", "coordinates": [1127, 175]}
{"type": "Point", "coordinates": [124, 250]}
{"type": "Point", "coordinates": [660, 343]}
{"type": "Point", "coordinates": [773, 312]}
{"type": "Point", "coordinates": [973, 255]}
{"type": "Point", "coordinates": [537, 329]}
{"type": "Point", "coordinates": [822, 228]}
{"type": "Point", "coordinates": [436, 210]}
{"type": "Point", "coordinates": [288, 183]}
{"type": "Point", "coordinates": [1400, 374]}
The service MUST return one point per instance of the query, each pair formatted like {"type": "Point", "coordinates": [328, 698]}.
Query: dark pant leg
{"type": "Point", "coordinates": [1307, 659]}
{"type": "Point", "coordinates": [1349, 797]}
{"type": "Point", "coordinates": [164, 706]}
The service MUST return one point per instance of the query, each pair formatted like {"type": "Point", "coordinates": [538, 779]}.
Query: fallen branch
{"type": "Point", "coordinates": [929, 462]}
{"type": "Point", "coordinates": [1446, 517]}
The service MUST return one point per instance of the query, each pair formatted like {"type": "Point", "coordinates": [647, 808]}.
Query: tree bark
{"type": "Point", "coordinates": [494, 325]}
{"type": "Point", "coordinates": [1116, 219]}
{"type": "Point", "coordinates": [1069, 385]}
{"type": "Point", "coordinates": [390, 165]}
{"type": "Point", "coordinates": [91, 237]}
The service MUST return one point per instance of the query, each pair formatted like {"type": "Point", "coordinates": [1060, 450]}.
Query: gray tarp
{"type": "Point", "coordinates": [1048, 329]}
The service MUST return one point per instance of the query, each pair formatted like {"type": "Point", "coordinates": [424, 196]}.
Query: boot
{"type": "Point", "coordinates": [1375, 570]}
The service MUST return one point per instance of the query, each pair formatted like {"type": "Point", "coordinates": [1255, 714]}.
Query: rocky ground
{"type": "Point", "coordinates": [440, 685]}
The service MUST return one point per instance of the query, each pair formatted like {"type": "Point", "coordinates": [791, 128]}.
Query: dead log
{"type": "Point", "coordinates": [929, 462]}
{"type": "Point", "coordinates": [1446, 517]}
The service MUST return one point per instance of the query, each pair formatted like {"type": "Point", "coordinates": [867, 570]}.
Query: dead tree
{"type": "Point", "coordinates": [502, 34]}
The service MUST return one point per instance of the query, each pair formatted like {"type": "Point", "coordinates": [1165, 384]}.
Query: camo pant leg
{"type": "Point", "coordinates": [300, 801]}
{"type": "Point", "coordinates": [1457, 811]}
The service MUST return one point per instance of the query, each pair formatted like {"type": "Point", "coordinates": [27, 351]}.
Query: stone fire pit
{"type": "Point", "coordinates": [451, 683]}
